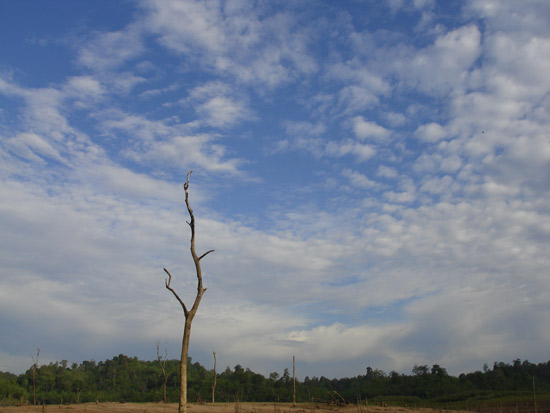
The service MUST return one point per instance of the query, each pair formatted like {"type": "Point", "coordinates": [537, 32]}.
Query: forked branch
{"type": "Point", "coordinates": [189, 314]}
{"type": "Point", "coordinates": [167, 283]}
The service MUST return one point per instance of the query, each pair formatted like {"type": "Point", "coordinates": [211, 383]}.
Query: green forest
{"type": "Point", "coordinates": [128, 379]}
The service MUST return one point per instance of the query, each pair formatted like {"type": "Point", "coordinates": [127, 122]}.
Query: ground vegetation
{"type": "Point", "coordinates": [128, 379]}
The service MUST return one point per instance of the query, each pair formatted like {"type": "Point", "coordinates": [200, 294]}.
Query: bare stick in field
{"type": "Point", "coordinates": [162, 362]}
{"type": "Point", "coordinates": [294, 381]}
{"type": "Point", "coordinates": [34, 368]}
{"type": "Point", "coordinates": [189, 313]}
{"type": "Point", "coordinates": [214, 385]}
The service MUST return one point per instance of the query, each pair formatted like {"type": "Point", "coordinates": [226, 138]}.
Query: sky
{"type": "Point", "coordinates": [374, 177]}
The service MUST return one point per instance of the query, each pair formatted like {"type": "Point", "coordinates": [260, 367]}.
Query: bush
{"type": "Point", "coordinates": [11, 393]}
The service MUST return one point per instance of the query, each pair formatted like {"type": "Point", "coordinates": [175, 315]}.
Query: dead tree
{"type": "Point", "coordinates": [162, 362]}
{"type": "Point", "coordinates": [214, 385]}
{"type": "Point", "coordinates": [34, 368]}
{"type": "Point", "coordinates": [189, 313]}
{"type": "Point", "coordinates": [293, 381]}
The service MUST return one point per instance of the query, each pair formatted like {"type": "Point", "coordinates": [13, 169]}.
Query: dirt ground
{"type": "Point", "coordinates": [206, 408]}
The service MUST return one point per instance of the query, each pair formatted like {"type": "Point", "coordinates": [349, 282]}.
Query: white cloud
{"type": "Point", "coordinates": [124, 182]}
{"type": "Point", "coordinates": [108, 50]}
{"type": "Point", "coordinates": [46, 113]}
{"type": "Point", "coordinates": [400, 197]}
{"type": "Point", "coordinates": [82, 87]}
{"type": "Point", "coordinates": [91, 213]}
{"type": "Point", "coordinates": [44, 125]}
{"type": "Point", "coordinates": [430, 132]}
{"type": "Point", "coordinates": [320, 147]}
{"type": "Point", "coordinates": [438, 185]}
{"type": "Point", "coordinates": [107, 55]}
{"type": "Point", "coordinates": [363, 152]}
{"type": "Point", "coordinates": [481, 337]}
{"type": "Point", "coordinates": [32, 147]}
{"type": "Point", "coordinates": [406, 195]}
{"type": "Point", "coordinates": [137, 127]}
{"type": "Point", "coordinates": [358, 179]}
{"type": "Point", "coordinates": [441, 67]}
{"type": "Point", "coordinates": [396, 119]}
{"type": "Point", "coordinates": [386, 171]}
{"type": "Point", "coordinates": [510, 16]}
{"type": "Point", "coordinates": [498, 125]}
{"type": "Point", "coordinates": [320, 343]}
{"type": "Point", "coordinates": [304, 128]}
{"type": "Point", "coordinates": [361, 88]}
{"type": "Point", "coordinates": [353, 99]}
{"type": "Point", "coordinates": [221, 111]}
{"type": "Point", "coordinates": [516, 66]}
{"type": "Point", "coordinates": [186, 23]}
{"type": "Point", "coordinates": [369, 130]}
{"type": "Point", "coordinates": [218, 106]}
{"type": "Point", "coordinates": [423, 4]}
{"type": "Point", "coordinates": [354, 72]}
{"type": "Point", "coordinates": [190, 151]}
{"type": "Point", "coordinates": [226, 39]}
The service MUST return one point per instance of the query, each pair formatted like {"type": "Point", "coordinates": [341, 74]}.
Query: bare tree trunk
{"type": "Point", "coordinates": [34, 368]}
{"type": "Point", "coordinates": [189, 314]}
{"type": "Point", "coordinates": [534, 395]}
{"type": "Point", "coordinates": [162, 362]}
{"type": "Point", "coordinates": [214, 385]}
{"type": "Point", "coordinates": [183, 365]}
{"type": "Point", "coordinates": [294, 381]}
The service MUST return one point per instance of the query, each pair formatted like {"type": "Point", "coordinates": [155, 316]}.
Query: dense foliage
{"type": "Point", "coordinates": [129, 379]}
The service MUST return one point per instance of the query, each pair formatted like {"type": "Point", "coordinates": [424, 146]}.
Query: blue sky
{"type": "Point", "coordinates": [373, 175]}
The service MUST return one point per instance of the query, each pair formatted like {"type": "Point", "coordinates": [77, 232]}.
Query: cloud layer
{"type": "Point", "coordinates": [376, 189]}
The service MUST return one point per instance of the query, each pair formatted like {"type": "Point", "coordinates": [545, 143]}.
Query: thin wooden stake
{"type": "Point", "coordinates": [294, 380]}
{"type": "Point", "coordinates": [214, 385]}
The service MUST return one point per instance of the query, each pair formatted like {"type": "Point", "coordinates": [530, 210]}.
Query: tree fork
{"type": "Point", "coordinates": [188, 313]}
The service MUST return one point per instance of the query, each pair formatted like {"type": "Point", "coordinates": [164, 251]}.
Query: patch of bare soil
{"type": "Point", "coordinates": [206, 408]}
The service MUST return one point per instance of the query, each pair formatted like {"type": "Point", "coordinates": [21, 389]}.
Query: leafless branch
{"type": "Point", "coordinates": [167, 283]}
{"type": "Point", "coordinates": [205, 254]}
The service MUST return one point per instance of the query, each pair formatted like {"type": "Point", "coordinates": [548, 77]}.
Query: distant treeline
{"type": "Point", "coordinates": [128, 379]}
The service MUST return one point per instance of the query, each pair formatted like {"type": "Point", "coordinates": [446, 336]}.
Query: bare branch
{"type": "Point", "coordinates": [205, 254]}
{"type": "Point", "coordinates": [167, 283]}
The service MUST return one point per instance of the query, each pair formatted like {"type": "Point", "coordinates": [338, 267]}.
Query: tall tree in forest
{"type": "Point", "coordinates": [189, 313]}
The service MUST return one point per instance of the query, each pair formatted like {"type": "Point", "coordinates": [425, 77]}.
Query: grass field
{"type": "Point", "coordinates": [207, 408]}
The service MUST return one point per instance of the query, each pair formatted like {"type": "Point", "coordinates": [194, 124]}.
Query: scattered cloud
{"type": "Point", "coordinates": [241, 40]}
{"type": "Point", "coordinates": [430, 132]}
{"type": "Point", "coordinates": [358, 179]}
{"type": "Point", "coordinates": [108, 50]}
{"type": "Point", "coordinates": [387, 171]}
{"type": "Point", "coordinates": [364, 129]}
{"type": "Point", "coordinates": [361, 151]}
{"type": "Point", "coordinates": [218, 106]}
{"type": "Point", "coordinates": [360, 183]}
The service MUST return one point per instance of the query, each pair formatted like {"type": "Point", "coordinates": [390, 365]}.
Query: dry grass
{"type": "Point", "coordinates": [238, 407]}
